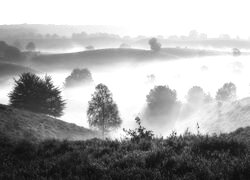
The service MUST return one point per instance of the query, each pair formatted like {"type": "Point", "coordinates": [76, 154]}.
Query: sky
{"type": "Point", "coordinates": [144, 17]}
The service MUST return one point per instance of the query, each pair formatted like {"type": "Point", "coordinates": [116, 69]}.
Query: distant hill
{"type": "Point", "coordinates": [12, 69]}
{"type": "Point", "coordinates": [224, 118]}
{"type": "Point", "coordinates": [114, 55]}
{"type": "Point", "coordinates": [20, 124]}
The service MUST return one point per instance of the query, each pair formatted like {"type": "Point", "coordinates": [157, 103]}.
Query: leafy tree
{"type": "Point", "coordinates": [102, 111]}
{"type": "Point", "coordinates": [78, 76]}
{"type": "Point", "coordinates": [154, 44]}
{"type": "Point", "coordinates": [37, 95]}
{"type": "Point", "coordinates": [196, 96]}
{"type": "Point", "coordinates": [161, 99]}
{"type": "Point", "coordinates": [226, 92]}
{"type": "Point", "coordinates": [30, 46]}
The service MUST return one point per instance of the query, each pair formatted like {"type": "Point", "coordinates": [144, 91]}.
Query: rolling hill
{"type": "Point", "coordinates": [219, 118]}
{"type": "Point", "coordinates": [115, 55]}
{"type": "Point", "coordinates": [20, 124]}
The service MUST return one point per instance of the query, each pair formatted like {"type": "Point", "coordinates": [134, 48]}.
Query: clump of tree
{"type": "Point", "coordinates": [162, 106]}
{"type": "Point", "coordinates": [90, 47]}
{"type": "Point", "coordinates": [78, 77]}
{"type": "Point", "coordinates": [227, 92]}
{"type": "Point", "coordinates": [154, 44]}
{"type": "Point", "coordinates": [236, 52]}
{"type": "Point", "coordinates": [102, 111]}
{"type": "Point", "coordinates": [124, 46]}
{"type": "Point", "coordinates": [197, 96]}
{"type": "Point", "coordinates": [151, 78]}
{"type": "Point", "coordinates": [30, 46]}
{"type": "Point", "coordinates": [37, 95]}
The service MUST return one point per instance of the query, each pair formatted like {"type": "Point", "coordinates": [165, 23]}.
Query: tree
{"type": "Point", "coordinates": [161, 99]}
{"type": "Point", "coordinates": [227, 92]}
{"type": "Point", "coordinates": [162, 108]}
{"type": "Point", "coordinates": [236, 52]}
{"type": "Point", "coordinates": [154, 44]}
{"type": "Point", "coordinates": [37, 95]}
{"type": "Point", "coordinates": [30, 46]}
{"type": "Point", "coordinates": [196, 95]}
{"type": "Point", "coordinates": [78, 76]}
{"type": "Point", "coordinates": [102, 111]}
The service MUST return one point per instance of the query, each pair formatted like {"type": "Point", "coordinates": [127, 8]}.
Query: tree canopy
{"type": "Point", "coordinates": [78, 77]}
{"type": "Point", "coordinates": [30, 46]}
{"type": "Point", "coordinates": [102, 111]}
{"type": "Point", "coordinates": [37, 95]}
{"type": "Point", "coordinates": [154, 44]}
{"type": "Point", "coordinates": [226, 92]}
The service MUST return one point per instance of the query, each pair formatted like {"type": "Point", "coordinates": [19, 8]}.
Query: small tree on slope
{"type": "Point", "coordinates": [102, 111]}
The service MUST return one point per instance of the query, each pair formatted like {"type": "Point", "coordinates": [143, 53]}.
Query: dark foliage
{"type": "Point", "coordinates": [227, 92]}
{"type": "Point", "coordinates": [9, 52]}
{"type": "Point", "coordinates": [177, 157]}
{"type": "Point", "coordinates": [196, 96]}
{"type": "Point", "coordinates": [78, 77]}
{"type": "Point", "coordinates": [161, 99]}
{"type": "Point", "coordinates": [30, 46]}
{"type": "Point", "coordinates": [154, 44]}
{"type": "Point", "coordinates": [102, 111]}
{"type": "Point", "coordinates": [37, 95]}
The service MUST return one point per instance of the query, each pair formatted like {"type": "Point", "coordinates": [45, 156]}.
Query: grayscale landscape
{"type": "Point", "coordinates": [128, 90]}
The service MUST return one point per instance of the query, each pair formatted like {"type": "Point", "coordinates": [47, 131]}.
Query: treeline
{"type": "Point", "coordinates": [39, 95]}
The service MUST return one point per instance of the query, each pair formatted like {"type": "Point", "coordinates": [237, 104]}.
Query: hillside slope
{"type": "Point", "coordinates": [219, 118]}
{"type": "Point", "coordinates": [20, 124]}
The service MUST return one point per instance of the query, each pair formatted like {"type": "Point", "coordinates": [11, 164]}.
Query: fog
{"type": "Point", "coordinates": [130, 83]}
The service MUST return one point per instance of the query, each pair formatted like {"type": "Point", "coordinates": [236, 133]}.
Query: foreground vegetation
{"type": "Point", "coordinates": [140, 156]}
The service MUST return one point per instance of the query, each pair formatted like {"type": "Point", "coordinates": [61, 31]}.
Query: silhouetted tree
{"type": "Point", "coordinates": [37, 95]}
{"type": "Point", "coordinates": [154, 44]}
{"type": "Point", "coordinates": [30, 46]}
{"type": "Point", "coordinates": [102, 111]}
{"type": "Point", "coordinates": [77, 77]}
{"type": "Point", "coordinates": [226, 92]}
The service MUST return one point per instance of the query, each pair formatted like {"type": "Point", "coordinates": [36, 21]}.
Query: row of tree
{"type": "Point", "coordinates": [40, 95]}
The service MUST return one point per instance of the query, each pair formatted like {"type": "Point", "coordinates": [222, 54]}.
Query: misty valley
{"type": "Point", "coordinates": [103, 106]}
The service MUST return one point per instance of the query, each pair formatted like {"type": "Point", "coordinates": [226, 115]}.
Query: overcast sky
{"type": "Point", "coordinates": [146, 17]}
